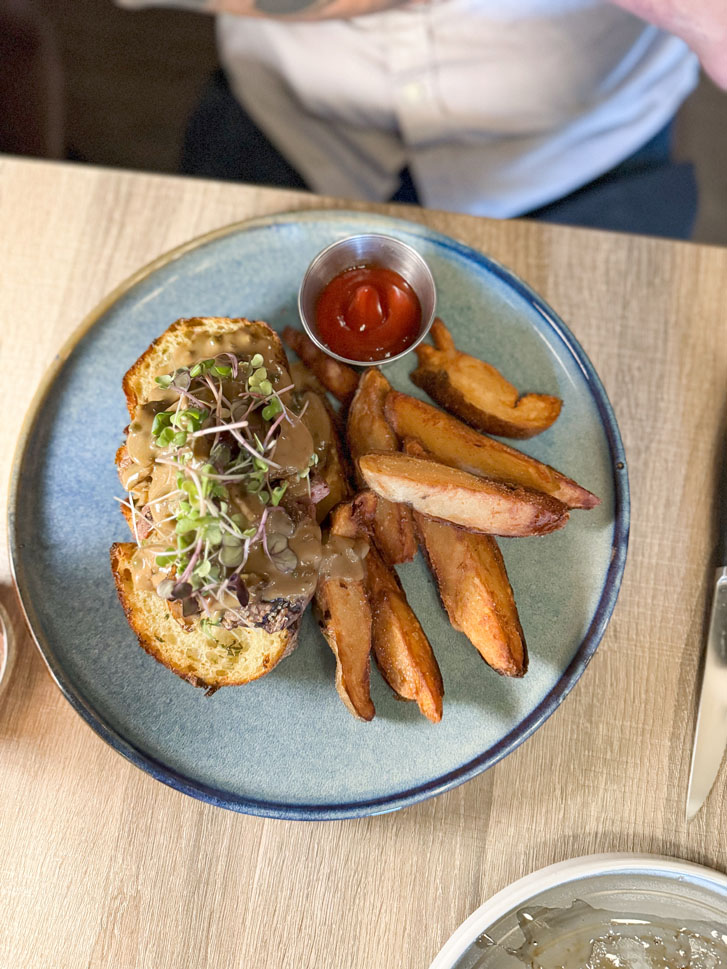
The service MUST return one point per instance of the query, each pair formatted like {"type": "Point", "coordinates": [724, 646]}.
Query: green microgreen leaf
{"type": "Point", "coordinates": [161, 420]}
{"type": "Point", "coordinates": [231, 557]}
{"type": "Point", "coordinates": [213, 534]}
{"type": "Point", "coordinates": [277, 493]}
{"type": "Point", "coordinates": [272, 409]}
{"type": "Point", "coordinates": [165, 437]}
{"type": "Point", "coordinates": [165, 380]}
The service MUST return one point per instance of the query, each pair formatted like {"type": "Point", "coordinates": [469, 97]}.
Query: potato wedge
{"type": "Point", "coordinates": [455, 444]}
{"type": "Point", "coordinates": [304, 379]}
{"type": "Point", "coordinates": [478, 393]}
{"type": "Point", "coordinates": [368, 430]}
{"type": "Point", "coordinates": [338, 378]}
{"type": "Point", "coordinates": [402, 651]}
{"type": "Point", "coordinates": [332, 467]}
{"type": "Point", "coordinates": [344, 617]}
{"type": "Point", "coordinates": [477, 504]}
{"type": "Point", "coordinates": [470, 573]}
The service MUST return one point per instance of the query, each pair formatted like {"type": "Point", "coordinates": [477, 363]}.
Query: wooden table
{"type": "Point", "coordinates": [101, 866]}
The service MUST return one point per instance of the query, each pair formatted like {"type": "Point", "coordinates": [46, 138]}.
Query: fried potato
{"type": "Point", "coordinates": [338, 378]}
{"type": "Point", "coordinates": [402, 651]}
{"type": "Point", "coordinates": [477, 504]}
{"type": "Point", "coordinates": [304, 379]}
{"type": "Point", "coordinates": [478, 393]}
{"type": "Point", "coordinates": [470, 573]}
{"type": "Point", "coordinates": [332, 467]}
{"type": "Point", "coordinates": [335, 475]}
{"type": "Point", "coordinates": [344, 617]}
{"type": "Point", "coordinates": [368, 430]}
{"type": "Point", "coordinates": [455, 444]}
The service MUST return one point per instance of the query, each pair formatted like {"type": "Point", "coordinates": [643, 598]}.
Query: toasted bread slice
{"type": "Point", "coordinates": [222, 657]}
{"type": "Point", "coordinates": [237, 656]}
{"type": "Point", "coordinates": [368, 430]}
{"type": "Point", "coordinates": [139, 383]}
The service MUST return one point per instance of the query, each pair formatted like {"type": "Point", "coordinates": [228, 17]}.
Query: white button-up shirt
{"type": "Point", "coordinates": [496, 106]}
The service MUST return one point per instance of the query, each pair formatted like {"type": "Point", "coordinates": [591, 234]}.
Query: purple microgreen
{"type": "Point", "coordinates": [181, 590]}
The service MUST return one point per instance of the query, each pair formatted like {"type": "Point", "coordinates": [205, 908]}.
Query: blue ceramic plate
{"type": "Point", "coordinates": [285, 746]}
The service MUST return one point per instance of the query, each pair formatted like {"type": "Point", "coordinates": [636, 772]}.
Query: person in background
{"type": "Point", "coordinates": [555, 109]}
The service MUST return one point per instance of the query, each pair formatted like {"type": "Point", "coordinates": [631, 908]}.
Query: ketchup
{"type": "Point", "coordinates": [368, 313]}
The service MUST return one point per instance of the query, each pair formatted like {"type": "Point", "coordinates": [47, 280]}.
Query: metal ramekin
{"type": "Point", "coordinates": [360, 250]}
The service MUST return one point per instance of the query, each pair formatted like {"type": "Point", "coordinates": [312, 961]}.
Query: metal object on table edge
{"type": "Point", "coordinates": [373, 248]}
{"type": "Point", "coordinates": [7, 647]}
{"type": "Point", "coordinates": [710, 735]}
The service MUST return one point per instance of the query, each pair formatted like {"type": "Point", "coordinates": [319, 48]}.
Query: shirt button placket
{"type": "Point", "coordinates": [410, 66]}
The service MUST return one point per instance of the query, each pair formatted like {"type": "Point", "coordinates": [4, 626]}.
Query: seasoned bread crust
{"type": "Point", "coordinates": [190, 654]}
{"type": "Point", "coordinates": [138, 382]}
{"type": "Point", "coordinates": [250, 652]}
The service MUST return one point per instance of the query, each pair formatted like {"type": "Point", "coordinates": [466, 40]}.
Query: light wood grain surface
{"type": "Point", "coordinates": [101, 866]}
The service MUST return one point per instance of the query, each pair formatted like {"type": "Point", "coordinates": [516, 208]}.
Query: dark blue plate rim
{"type": "Point", "coordinates": [438, 785]}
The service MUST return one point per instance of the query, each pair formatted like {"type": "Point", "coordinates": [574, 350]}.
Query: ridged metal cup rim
{"type": "Point", "coordinates": [385, 240]}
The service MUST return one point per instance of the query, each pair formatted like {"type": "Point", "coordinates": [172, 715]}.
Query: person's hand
{"type": "Point", "coordinates": [701, 23]}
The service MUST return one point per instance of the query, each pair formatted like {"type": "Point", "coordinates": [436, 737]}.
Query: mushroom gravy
{"type": "Point", "coordinates": [271, 549]}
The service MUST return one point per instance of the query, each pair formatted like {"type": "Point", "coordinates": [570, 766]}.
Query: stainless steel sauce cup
{"type": "Point", "coordinates": [361, 250]}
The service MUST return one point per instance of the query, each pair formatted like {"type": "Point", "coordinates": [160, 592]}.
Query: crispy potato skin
{"type": "Point", "coordinates": [344, 616]}
{"type": "Point", "coordinates": [478, 393]}
{"type": "Point", "coordinates": [470, 573]}
{"type": "Point", "coordinates": [368, 430]}
{"type": "Point", "coordinates": [335, 475]}
{"type": "Point", "coordinates": [476, 504]}
{"type": "Point", "coordinates": [402, 651]}
{"type": "Point", "coordinates": [454, 443]}
{"type": "Point", "coordinates": [333, 468]}
{"type": "Point", "coordinates": [338, 378]}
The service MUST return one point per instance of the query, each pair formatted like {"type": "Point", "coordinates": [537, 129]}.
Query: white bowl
{"type": "Point", "coordinates": [649, 884]}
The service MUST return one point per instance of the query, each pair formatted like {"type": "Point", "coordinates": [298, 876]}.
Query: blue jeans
{"type": "Point", "coordinates": [647, 193]}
